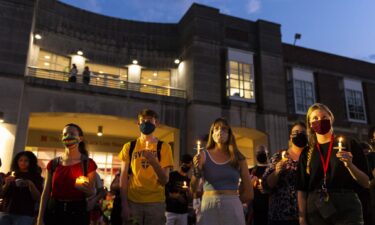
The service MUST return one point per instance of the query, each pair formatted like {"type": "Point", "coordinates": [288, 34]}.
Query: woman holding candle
{"type": "Point", "coordinates": [279, 180]}
{"type": "Point", "coordinates": [327, 177]}
{"type": "Point", "coordinates": [66, 188]}
{"type": "Point", "coordinates": [222, 165]}
{"type": "Point", "coordinates": [21, 190]}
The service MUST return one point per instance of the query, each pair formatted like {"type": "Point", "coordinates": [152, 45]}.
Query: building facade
{"type": "Point", "coordinates": [207, 65]}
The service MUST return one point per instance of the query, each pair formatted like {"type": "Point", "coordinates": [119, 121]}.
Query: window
{"type": "Point", "coordinates": [152, 79]}
{"type": "Point", "coordinates": [51, 61]}
{"type": "Point", "coordinates": [303, 90]}
{"type": "Point", "coordinates": [240, 78]}
{"type": "Point", "coordinates": [111, 72]}
{"type": "Point", "coordinates": [354, 101]}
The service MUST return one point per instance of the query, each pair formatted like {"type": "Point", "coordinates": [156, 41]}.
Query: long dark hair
{"type": "Point", "coordinates": [230, 146]}
{"type": "Point", "coordinates": [33, 162]}
{"type": "Point", "coordinates": [82, 145]}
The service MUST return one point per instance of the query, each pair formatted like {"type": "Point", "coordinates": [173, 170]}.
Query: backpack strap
{"type": "Point", "coordinates": [158, 149]}
{"type": "Point", "coordinates": [55, 162]}
{"type": "Point", "coordinates": [84, 164]}
{"type": "Point", "coordinates": [131, 149]}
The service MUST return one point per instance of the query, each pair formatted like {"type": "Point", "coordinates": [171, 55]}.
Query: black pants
{"type": "Point", "coordinates": [66, 213]}
{"type": "Point", "coordinates": [347, 206]}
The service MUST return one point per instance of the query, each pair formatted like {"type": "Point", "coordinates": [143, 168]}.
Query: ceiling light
{"type": "Point", "coordinates": [47, 57]}
{"type": "Point", "coordinates": [135, 62]}
{"type": "Point", "coordinates": [100, 72]}
{"type": "Point", "coordinates": [149, 80]}
{"type": "Point", "coordinates": [176, 61]}
{"type": "Point", "coordinates": [38, 36]}
{"type": "Point", "coordinates": [79, 52]}
{"type": "Point", "coordinates": [155, 74]}
{"type": "Point", "coordinates": [100, 131]}
{"type": "Point", "coordinates": [46, 64]}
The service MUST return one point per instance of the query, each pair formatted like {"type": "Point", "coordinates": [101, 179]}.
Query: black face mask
{"type": "Point", "coordinates": [262, 157]}
{"type": "Point", "coordinates": [300, 140]}
{"type": "Point", "coordinates": [185, 168]}
{"type": "Point", "coordinates": [147, 127]}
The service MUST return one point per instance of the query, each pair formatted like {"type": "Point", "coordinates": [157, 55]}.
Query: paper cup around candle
{"type": "Point", "coordinates": [82, 179]}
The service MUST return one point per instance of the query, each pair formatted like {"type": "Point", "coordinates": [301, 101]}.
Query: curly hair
{"type": "Point", "coordinates": [33, 162]}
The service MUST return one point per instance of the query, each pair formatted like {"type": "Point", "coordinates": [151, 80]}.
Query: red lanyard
{"type": "Point", "coordinates": [326, 162]}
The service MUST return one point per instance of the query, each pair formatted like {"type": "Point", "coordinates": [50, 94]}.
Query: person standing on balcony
{"type": "Point", "coordinates": [73, 74]}
{"type": "Point", "coordinates": [86, 75]}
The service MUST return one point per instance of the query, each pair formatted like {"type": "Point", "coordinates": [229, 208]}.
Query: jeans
{"type": "Point", "coordinates": [11, 219]}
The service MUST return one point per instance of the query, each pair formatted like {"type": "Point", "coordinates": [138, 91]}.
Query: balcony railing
{"type": "Point", "coordinates": [107, 80]}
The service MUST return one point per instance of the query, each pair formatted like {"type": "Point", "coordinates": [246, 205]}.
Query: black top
{"type": "Point", "coordinates": [260, 202]}
{"type": "Point", "coordinates": [175, 185]}
{"type": "Point", "coordinates": [338, 176]}
{"type": "Point", "coordinates": [18, 200]}
{"type": "Point", "coordinates": [371, 160]}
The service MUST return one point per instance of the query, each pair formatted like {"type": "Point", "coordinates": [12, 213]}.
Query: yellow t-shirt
{"type": "Point", "coordinates": [143, 186]}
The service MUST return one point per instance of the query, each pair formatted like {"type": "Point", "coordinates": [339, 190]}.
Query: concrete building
{"type": "Point", "coordinates": [207, 65]}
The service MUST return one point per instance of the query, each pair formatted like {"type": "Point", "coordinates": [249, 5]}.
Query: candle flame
{"type": "Point", "coordinates": [283, 154]}
{"type": "Point", "coordinates": [340, 139]}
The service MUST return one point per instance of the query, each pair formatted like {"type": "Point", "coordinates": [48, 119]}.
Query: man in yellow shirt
{"type": "Point", "coordinates": [142, 190]}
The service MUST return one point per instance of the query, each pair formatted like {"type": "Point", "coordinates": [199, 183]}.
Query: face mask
{"type": "Point", "coordinates": [262, 157]}
{"type": "Point", "coordinates": [220, 136]}
{"type": "Point", "coordinates": [300, 140]}
{"type": "Point", "coordinates": [147, 128]}
{"type": "Point", "coordinates": [69, 141]}
{"type": "Point", "coordinates": [185, 168]}
{"type": "Point", "coordinates": [321, 126]}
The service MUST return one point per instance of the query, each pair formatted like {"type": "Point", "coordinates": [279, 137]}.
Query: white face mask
{"type": "Point", "coordinates": [220, 136]}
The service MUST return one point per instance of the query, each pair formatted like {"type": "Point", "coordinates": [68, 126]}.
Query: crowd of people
{"type": "Point", "coordinates": [320, 178]}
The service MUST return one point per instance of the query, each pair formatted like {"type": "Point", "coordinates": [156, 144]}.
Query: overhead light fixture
{"type": "Point", "coordinates": [46, 64]}
{"type": "Point", "coordinates": [135, 62]}
{"type": "Point", "coordinates": [176, 61]}
{"type": "Point", "coordinates": [80, 52]}
{"type": "Point", "coordinates": [149, 80]}
{"type": "Point", "coordinates": [155, 74]}
{"type": "Point", "coordinates": [1, 117]}
{"type": "Point", "coordinates": [47, 57]}
{"type": "Point", "coordinates": [38, 36]}
{"type": "Point", "coordinates": [100, 72]}
{"type": "Point", "coordinates": [100, 131]}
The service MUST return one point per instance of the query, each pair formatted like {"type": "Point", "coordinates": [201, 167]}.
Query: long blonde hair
{"type": "Point", "coordinates": [311, 133]}
{"type": "Point", "coordinates": [230, 146]}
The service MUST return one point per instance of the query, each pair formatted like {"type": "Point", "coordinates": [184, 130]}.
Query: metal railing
{"type": "Point", "coordinates": [107, 80]}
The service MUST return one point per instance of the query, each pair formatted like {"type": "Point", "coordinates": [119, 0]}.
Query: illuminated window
{"type": "Point", "coordinates": [111, 72]}
{"type": "Point", "coordinates": [51, 61]}
{"type": "Point", "coordinates": [240, 78]}
{"type": "Point", "coordinates": [355, 106]}
{"type": "Point", "coordinates": [155, 81]}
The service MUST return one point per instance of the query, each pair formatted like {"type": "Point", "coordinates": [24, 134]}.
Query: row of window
{"type": "Point", "coordinates": [51, 61]}
{"type": "Point", "coordinates": [302, 83]}
{"type": "Point", "coordinates": [240, 81]}
{"type": "Point", "coordinates": [240, 86]}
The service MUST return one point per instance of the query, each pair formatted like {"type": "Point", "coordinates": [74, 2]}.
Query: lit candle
{"type": "Point", "coordinates": [146, 145]}
{"type": "Point", "coordinates": [82, 179]}
{"type": "Point", "coordinates": [185, 185]}
{"type": "Point", "coordinates": [198, 147]}
{"type": "Point", "coordinates": [340, 144]}
{"type": "Point", "coordinates": [13, 174]}
{"type": "Point", "coordinates": [283, 155]}
{"type": "Point", "coordinates": [260, 181]}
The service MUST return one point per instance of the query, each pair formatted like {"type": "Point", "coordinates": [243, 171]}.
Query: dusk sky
{"type": "Point", "coordinates": [342, 27]}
